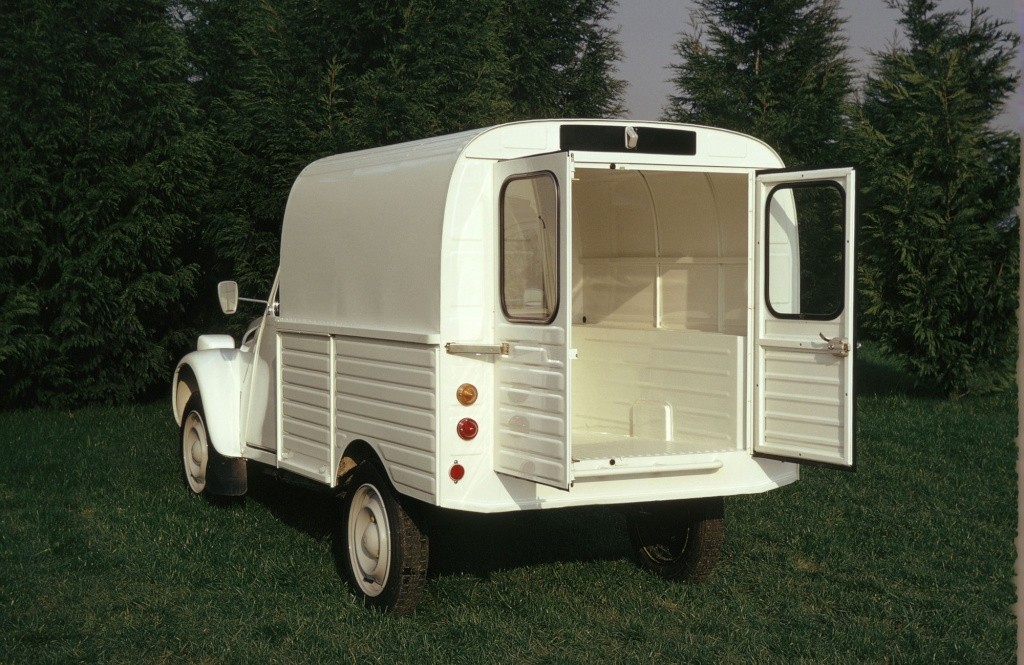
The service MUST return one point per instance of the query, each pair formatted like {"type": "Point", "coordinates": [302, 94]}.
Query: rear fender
{"type": "Point", "coordinates": [216, 375]}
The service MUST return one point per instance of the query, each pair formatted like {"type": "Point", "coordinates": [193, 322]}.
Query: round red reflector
{"type": "Point", "coordinates": [467, 428]}
{"type": "Point", "coordinates": [457, 472]}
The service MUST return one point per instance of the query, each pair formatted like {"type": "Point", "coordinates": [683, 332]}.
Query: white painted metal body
{"type": "Point", "coordinates": [660, 375]}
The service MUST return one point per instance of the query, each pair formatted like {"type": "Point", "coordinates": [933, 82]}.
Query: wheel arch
{"type": "Point", "coordinates": [215, 374]}
{"type": "Point", "coordinates": [357, 452]}
{"type": "Point", "coordinates": [362, 451]}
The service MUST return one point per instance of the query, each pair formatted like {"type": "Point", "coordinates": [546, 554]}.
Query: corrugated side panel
{"type": "Point", "coordinates": [386, 395]}
{"type": "Point", "coordinates": [803, 405]}
{"type": "Point", "coordinates": [531, 437]}
{"type": "Point", "coordinates": [306, 405]}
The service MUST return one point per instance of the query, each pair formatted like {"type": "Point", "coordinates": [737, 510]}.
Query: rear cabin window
{"type": "Point", "coordinates": [806, 239]}
{"type": "Point", "coordinates": [529, 248]}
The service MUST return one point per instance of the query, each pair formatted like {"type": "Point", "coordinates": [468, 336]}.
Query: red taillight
{"type": "Point", "coordinates": [467, 429]}
{"type": "Point", "coordinates": [457, 472]}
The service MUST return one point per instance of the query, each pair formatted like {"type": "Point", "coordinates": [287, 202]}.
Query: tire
{"type": "Point", "coordinates": [679, 541]}
{"type": "Point", "coordinates": [195, 447]}
{"type": "Point", "coordinates": [384, 552]}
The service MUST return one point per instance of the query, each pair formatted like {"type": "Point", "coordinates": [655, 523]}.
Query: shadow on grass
{"type": "Point", "coordinates": [474, 544]}
{"type": "Point", "coordinates": [878, 375]}
{"type": "Point", "coordinates": [462, 542]}
{"type": "Point", "coordinates": [307, 510]}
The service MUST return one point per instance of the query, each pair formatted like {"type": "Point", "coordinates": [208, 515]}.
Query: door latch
{"type": "Point", "coordinates": [837, 346]}
{"type": "Point", "coordinates": [478, 349]}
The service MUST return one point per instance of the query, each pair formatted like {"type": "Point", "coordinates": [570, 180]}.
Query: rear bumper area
{"type": "Point", "coordinates": [629, 480]}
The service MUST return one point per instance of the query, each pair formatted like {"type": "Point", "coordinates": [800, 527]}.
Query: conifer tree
{"type": "Point", "coordinates": [774, 69]}
{"type": "Point", "coordinates": [777, 70]}
{"type": "Point", "coordinates": [287, 81]}
{"type": "Point", "coordinates": [561, 58]}
{"type": "Point", "coordinates": [938, 251]}
{"type": "Point", "coordinates": [271, 83]}
{"type": "Point", "coordinates": [102, 164]}
{"type": "Point", "coordinates": [427, 68]}
{"type": "Point", "coordinates": [149, 138]}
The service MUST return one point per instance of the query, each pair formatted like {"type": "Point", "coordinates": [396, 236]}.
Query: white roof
{"type": "Point", "coordinates": [361, 243]}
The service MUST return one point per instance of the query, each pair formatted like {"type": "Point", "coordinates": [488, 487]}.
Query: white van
{"type": "Point", "coordinates": [538, 315]}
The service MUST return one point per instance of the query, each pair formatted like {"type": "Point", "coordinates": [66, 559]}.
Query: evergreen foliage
{"type": "Point", "coordinates": [561, 59]}
{"type": "Point", "coordinates": [777, 70]}
{"type": "Point", "coordinates": [774, 69]}
{"type": "Point", "coordinates": [103, 163]}
{"type": "Point", "coordinates": [267, 81]}
{"type": "Point", "coordinates": [288, 82]}
{"type": "Point", "coordinates": [150, 148]}
{"type": "Point", "coordinates": [433, 68]}
{"type": "Point", "coordinates": [939, 263]}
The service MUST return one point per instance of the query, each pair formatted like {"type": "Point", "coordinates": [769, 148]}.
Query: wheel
{"type": "Point", "coordinates": [195, 447]}
{"type": "Point", "coordinates": [384, 552]}
{"type": "Point", "coordinates": [679, 541]}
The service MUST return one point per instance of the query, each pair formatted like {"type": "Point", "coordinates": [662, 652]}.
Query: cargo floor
{"type": "Point", "coordinates": [598, 445]}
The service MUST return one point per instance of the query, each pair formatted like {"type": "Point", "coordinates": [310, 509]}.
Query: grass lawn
{"type": "Point", "coordinates": [103, 558]}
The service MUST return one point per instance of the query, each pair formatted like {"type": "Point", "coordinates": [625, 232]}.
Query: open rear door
{"type": "Point", "coordinates": [804, 316]}
{"type": "Point", "coordinates": [532, 437]}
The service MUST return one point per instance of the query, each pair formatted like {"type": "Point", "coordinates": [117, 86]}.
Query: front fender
{"type": "Point", "coordinates": [216, 374]}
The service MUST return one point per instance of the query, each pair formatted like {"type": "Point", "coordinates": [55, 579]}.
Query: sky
{"type": "Point", "coordinates": [649, 28]}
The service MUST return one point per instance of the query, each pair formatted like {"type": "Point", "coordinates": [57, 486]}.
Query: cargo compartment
{"type": "Point", "coordinates": [660, 313]}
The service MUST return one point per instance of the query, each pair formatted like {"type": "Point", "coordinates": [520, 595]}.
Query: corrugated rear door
{"type": "Point", "coordinates": [533, 203]}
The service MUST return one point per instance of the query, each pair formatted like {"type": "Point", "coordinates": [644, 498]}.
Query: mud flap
{"type": "Point", "coordinates": [226, 476]}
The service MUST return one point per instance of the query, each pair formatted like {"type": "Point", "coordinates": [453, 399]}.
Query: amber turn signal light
{"type": "Point", "coordinates": [466, 394]}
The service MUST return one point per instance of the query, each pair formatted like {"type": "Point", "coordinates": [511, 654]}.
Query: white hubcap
{"type": "Point", "coordinates": [369, 540]}
{"type": "Point", "coordinates": [195, 452]}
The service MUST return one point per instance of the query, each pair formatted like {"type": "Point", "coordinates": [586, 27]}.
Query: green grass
{"type": "Point", "coordinates": [103, 558]}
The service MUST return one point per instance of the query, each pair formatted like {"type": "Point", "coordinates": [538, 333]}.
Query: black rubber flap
{"type": "Point", "coordinates": [651, 140]}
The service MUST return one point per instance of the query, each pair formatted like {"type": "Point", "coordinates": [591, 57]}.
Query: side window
{"type": "Point", "coordinates": [806, 238]}
{"type": "Point", "coordinates": [529, 248]}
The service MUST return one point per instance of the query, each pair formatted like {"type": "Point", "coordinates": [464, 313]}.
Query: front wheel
{"type": "Point", "coordinates": [679, 541]}
{"type": "Point", "coordinates": [384, 551]}
{"type": "Point", "coordinates": [195, 447]}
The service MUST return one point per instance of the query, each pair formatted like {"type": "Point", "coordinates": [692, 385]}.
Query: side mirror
{"type": "Point", "coordinates": [227, 292]}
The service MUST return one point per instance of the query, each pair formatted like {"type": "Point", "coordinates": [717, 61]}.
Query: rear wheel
{"type": "Point", "coordinates": [384, 553]}
{"type": "Point", "coordinates": [681, 540]}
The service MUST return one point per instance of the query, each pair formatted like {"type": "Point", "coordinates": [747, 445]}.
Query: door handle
{"type": "Point", "coordinates": [477, 349]}
{"type": "Point", "coordinates": [837, 346]}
